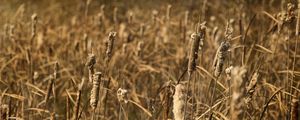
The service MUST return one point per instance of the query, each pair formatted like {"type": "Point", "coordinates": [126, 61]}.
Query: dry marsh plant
{"type": "Point", "coordinates": [149, 59]}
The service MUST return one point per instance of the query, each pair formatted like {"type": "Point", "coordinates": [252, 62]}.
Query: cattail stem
{"type": "Point", "coordinates": [78, 99]}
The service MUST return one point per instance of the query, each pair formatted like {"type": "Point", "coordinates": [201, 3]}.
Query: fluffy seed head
{"type": "Point", "coordinates": [110, 44]}
{"type": "Point", "coordinates": [95, 90]}
{"type": "Point", "coordinates": [220, 58]}
{"type": "Point", "coordinates": [196, 44]}
{"type": "Point", "coordinates": [122, 95]}
{"type": "Point", "coordinates": [178, 101]}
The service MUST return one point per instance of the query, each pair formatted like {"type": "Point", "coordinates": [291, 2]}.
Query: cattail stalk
{"type": "Point", "coordinates": [49, 89]}
{"type": "Point", "coordinates": [196, 43]}
{"type": "Point", "coordinates": [168, 16]}
{"type": "Point", "coordinates": [78, 99]}
{"type": "Point", "coordinates": [67, 107]}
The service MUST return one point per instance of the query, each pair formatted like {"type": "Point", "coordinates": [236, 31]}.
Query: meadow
{"type": "Point", "coordinates": [149, 59]}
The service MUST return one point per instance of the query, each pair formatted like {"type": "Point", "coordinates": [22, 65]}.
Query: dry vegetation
{"type": "Point", "coordinates": [149, 59]}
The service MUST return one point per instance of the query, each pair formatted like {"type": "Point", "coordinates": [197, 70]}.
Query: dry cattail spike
{"type": "Point", "coordinates": [124, 48]}
{"type": "Point", "coordinates": [110, 44]}
{"type": "Point", "coordinates": [154, 16]}
{"type": "Point", "coordinates": [220, 58]}
{"type": "Point", "coordinates": [168, 13]}
{"type": "Point", "coordinates": [12, 32]}
{"type": "Point", "coordinates": [90, 64]}
{"type": "Point", "coordinates": [139, 48]}
{"type": "Point", "coordinates": [122, 95]}
{"type": "Point", "coordinates": [178, 102]}
{"type": "Point", "coordinates": [196, 43]}
{"type": "Point", "coordinates": [238, 87]}
{"type": "Point", "coordinates": [95, 90]}
{"type": "Point", "coordinates": [33, 24]}
{"type": "Point", "coordinates": [130, 17]}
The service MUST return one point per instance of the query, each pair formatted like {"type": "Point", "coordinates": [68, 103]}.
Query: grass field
{"type": "Point", "coordinates": [149, 59]}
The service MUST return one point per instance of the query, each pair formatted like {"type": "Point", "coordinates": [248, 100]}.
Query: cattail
{"type": "Point", "coordinates": [95, 90]}
{"type": "Point", "coordinates": [178, 102]}
{"type": "Point", "coordinates": [90, 64]}
{"type": "Point", "coordinates": [88, 2]}
{"type": "Point", "coordinates": [130, 17]}
{"type": "Point", "coordinates": [110, 44]}
{"type": "Point", "coordinates": [122, 95]}
{"type": "Point", "coordinates": [124, 48]}
{"type": "Point", "coordinates": [220, 58]}
{"type": "Point", "coordinates": [196, 43]}
{"type": "Point", "coordinates": [168, 13]}
{"type": "Point", "coordinates": [78, 99]}
{"type": "Point", "coordinates": [250, 89]}
{"type": "Point", "coordinates": [33, 25]}
{"type": "Point", "coordinates": [238, 87]}
{"type": "Point", "coordinates": [154, 16]}
{"type": "Point", "coordinates": [12, 33]}
{"type": "Point", "coordinates": [139, 48]}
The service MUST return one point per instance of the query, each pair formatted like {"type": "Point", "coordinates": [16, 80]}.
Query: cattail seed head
{"type": "Point", "coordinates": [110, 44]}
{"type": "Point", "coordinates": [168, 12]}
{"type": "Point", "coordinates": [90, 64]}
{"type": "Point", "coordinates": [178, 102]}
{"type": "Point", "coordinates": [139, 48]}
{"type": "Point", "coordinates": [34, 22]}
{"type": "Point", "coordinates": [95, 90]}
{"type": "Point", "coordinates": [122, 95]}
{"type": "Point", "coordinates": [220, 58]}
{"type": "Point", "coordinates": [196, 43]}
